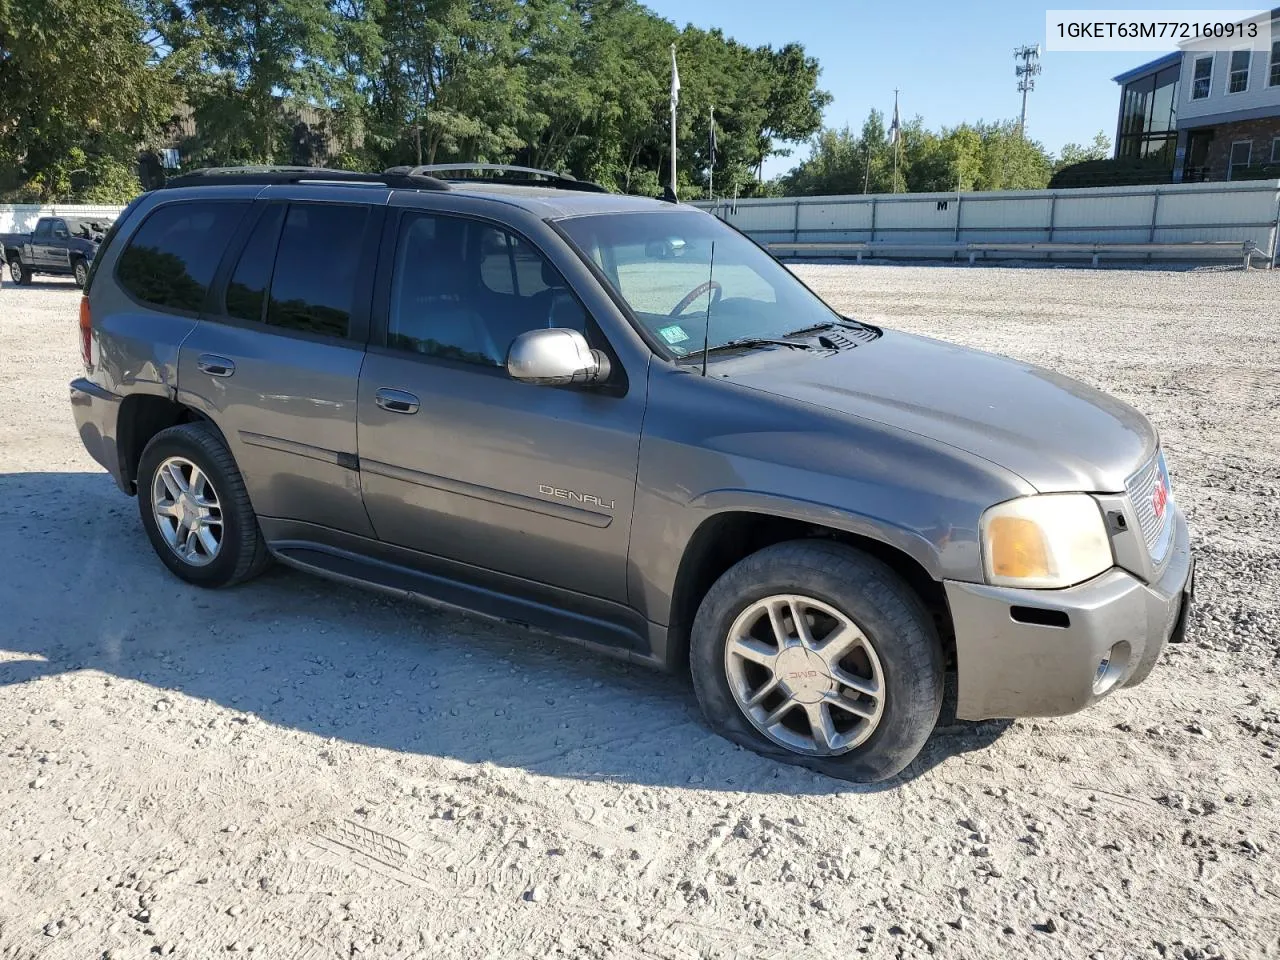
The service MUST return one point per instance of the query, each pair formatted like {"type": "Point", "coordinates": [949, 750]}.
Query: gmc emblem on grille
{"type": "Point", "coordinates": [1160, 497]}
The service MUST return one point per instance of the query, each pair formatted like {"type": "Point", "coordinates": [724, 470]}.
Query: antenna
{"type": "Point", "coordinates": [1026, 74]}
{"type": "Point", "coordinates": [706, 330]}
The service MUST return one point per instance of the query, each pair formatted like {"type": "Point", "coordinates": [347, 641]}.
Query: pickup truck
{"type": "Point", "coordinates": [59, 245]}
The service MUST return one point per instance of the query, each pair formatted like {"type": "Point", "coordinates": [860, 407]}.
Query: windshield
{"type": "Point", "coordinates": [660, 264]}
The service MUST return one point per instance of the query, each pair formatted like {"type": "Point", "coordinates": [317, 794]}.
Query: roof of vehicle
{"type": "Point", "coordinates": [553, 203]}
{"type": "Point", "coordinates": [545, 194]}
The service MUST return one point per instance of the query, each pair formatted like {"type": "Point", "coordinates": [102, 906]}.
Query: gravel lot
{"type": "Point", "coordinates": [296, 770]}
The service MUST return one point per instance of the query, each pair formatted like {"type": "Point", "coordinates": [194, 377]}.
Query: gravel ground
{"type": "Point", "coordinates": [296, 770]}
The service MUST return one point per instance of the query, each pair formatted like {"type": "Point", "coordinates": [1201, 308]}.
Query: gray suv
{"type": "Point", "coordinates": [619, 420]}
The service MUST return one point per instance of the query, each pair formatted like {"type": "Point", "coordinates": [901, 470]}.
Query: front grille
{"type": "Point", "coordinates": [1148, 489]}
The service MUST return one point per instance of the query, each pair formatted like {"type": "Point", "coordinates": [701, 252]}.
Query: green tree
{"type": "Point", "coordinates": [981, 156]}
{"type": "Point", "coordinates": [76, 102]}
{"type": "Point", "coordinates": [1098, 149]}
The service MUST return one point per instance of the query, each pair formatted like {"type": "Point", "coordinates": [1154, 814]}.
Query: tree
{"type": "Point", "coordinates": [75, 104]}
{"type": "Point", "coordinates": [981, 156]}
{"type": "Point", "coordinates": [1099, 149]}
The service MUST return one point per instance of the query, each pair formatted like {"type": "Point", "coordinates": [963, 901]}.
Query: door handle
{"type": "Point", "coordinates": [215, 366]}
{"type": "Point", "coordinates": [396, 401]}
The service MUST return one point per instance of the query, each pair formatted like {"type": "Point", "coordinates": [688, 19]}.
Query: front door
{"type": "Point", "coordinates": [275, 360]}
{"type": "Point", "coordinates": [1197, 162]}
{"type": "Point", "coordinates": [41, 244]}
{"type": "Point", "coordinates": [459, 461]}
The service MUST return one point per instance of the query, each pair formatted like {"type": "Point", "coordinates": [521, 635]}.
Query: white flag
{"type": "Point", "coordinates": [675, 78]}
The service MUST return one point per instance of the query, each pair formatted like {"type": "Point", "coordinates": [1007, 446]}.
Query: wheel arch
{"type": "Point", "coordinates": [726, 537]}
{"type": "Point", "coordinates": [141, 417]}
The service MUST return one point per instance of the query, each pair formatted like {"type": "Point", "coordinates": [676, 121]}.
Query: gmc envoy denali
{"type": "Point", "coordinates": [619, 420]}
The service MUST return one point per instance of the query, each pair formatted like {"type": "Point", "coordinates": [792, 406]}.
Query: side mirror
{"type": "Point", "coordinates": [555, 356]}
{"type": "Point", "coordinates": [60, 234]}
{"type": "Point", "coordinates": [665, 249]}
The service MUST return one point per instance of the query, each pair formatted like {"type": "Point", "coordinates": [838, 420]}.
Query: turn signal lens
{"type": "Point", "coordinates": [86, 334]}
{"type": "Point", "coordinates": [1049, 541]}
{"type": "Point", "coordinates": [1018, 549]}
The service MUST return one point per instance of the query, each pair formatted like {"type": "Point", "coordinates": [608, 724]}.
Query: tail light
{"type": "Point", "coordinates": [86, 334]}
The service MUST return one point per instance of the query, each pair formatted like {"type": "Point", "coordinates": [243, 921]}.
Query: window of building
{"type": "Point", "coordinates": [1275, 150]}
{"type": "Point", "coordinates": [313, 286]}
{"type": "Point", "coordinates": [1241, 156]}
{"type": "Point", "coordinates": [463, 290]}
{"type": "Point", "coordinates": [171, 258]}
{"type": "Point", "coordinates": [1202, 79]}
{"type": "Point", "coordinates": [247, 291]}
{"type": "Point", "coordinates": [1275, 63]}
{"type": "Point", "coordinates": [1238, 74]}
{"type": "Point", "coordinates": [1149, 116]}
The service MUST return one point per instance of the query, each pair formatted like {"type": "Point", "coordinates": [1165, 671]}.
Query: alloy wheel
{"type": "Point", "coordinates": [805, 675]}
{"type": "Point", "coordinates": [187, 511]}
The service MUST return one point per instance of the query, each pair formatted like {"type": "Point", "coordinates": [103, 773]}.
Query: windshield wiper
{"type": "Point", "coordinates": [745, 342]}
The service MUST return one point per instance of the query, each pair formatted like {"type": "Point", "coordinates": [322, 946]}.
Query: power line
{"type": "Point", "coordinates": [1026, 72]}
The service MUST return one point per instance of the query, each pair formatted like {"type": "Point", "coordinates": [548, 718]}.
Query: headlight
{"type": "Point", "coordinates": [1052, 540]}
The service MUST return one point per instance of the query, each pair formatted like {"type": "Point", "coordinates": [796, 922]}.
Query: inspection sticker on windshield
{"type": "Point", "coordinates": [673, 334]}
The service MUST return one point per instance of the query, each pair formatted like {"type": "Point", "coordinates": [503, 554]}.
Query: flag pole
{"type": "Point", "coordinates": [675, 98]}
{"type": "Point", "coordinates": [897, 139]}
{"type": "Point", "coordinates": [711, 169]}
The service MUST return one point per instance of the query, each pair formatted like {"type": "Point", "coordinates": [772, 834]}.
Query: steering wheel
{"type": "Point", "coordinates": [717, 291]}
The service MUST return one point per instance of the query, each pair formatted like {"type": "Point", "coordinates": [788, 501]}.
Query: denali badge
{"type": "Point", "coordinates": [583, 498]}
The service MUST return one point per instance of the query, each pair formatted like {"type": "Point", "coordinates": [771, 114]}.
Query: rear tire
{"type": "Point", "coordinates": [863, 714]}
{"type": "Point", "coordinates": [195, 508]}
{"type": "Point", "coordinates": [19, 272]}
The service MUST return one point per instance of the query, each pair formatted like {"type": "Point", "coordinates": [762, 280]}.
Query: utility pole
{"type": "Point", "coordinates": [1026, 72]}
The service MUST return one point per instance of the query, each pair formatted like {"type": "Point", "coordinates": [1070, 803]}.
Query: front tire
{"type": "Point", "coordinates": [813, 653]}
{"type": "Point", "coordinates": [80, 272]}
{"type": "Point", "coordinates": [195, 508]}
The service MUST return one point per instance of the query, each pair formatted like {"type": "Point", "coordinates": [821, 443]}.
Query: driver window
{"type": "Point", "coordinates": [44, 229]}
{"type": "Point", "coordinates": [463, 290]}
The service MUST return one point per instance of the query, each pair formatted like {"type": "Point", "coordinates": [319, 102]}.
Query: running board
{"type": "Point", "coordinates": [598, 635]}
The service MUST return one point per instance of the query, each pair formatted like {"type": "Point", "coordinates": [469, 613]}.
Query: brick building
{"type": "Point", "coordinates": [1209, 114]}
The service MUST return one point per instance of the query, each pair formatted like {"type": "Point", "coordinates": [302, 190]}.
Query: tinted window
{"type": "Point", "coordinates": [171, 258]}
{"type": "Point", "coordinates": [317, 266]}
{"type": "Point", "coordinates": [247, 291]}
{"type": "Point", "coordinates": [44, 229]}
{"type": "Point", "coordinates": [464, 290]}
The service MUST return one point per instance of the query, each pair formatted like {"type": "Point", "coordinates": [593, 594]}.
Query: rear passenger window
{"type": "Point", "coordinates": [317, 267]}
{"type": "Point", "coordinates": [172, 257]}
{"type": "Point", "coordinates": [247, 291]}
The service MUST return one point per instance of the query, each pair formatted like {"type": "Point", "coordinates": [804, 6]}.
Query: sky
{"type": "Point", "coordinates": [951, 61]}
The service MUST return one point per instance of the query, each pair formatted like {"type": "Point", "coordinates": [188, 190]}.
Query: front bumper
{"type": "Point", "coordinates": [97, 413]}
{"type": "Point", "coordinates": [1011, 668]}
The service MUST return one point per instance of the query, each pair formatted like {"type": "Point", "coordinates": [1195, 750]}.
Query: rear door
{"type": "Point", "coordinates": [460, 461]}
{"type": "Point", "coordinates": [275, 361]}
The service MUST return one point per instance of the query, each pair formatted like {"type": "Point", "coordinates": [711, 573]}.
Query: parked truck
{"type": "Point", "coordinates": [59, 245]}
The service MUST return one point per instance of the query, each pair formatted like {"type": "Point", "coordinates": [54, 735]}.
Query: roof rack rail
{"type": "Point", "coordinates": [562, 181]}
{"type": "Point", "coordinates": [266, 175]}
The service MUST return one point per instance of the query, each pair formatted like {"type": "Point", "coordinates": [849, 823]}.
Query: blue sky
{"type": "Point", "coordinates": [952, 61]}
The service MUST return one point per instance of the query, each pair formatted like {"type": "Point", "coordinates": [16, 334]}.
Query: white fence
{"type": "Point", "coordinates": [22, 217]}
{"type": "Point", "coordinates": [1166, 213]}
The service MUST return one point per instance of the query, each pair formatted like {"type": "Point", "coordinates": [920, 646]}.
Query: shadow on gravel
{"type": "Point", "coordinates": [81, 589]}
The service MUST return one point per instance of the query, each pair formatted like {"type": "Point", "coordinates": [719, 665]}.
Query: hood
{"type": "Point", "coordinates": [1056, 433]}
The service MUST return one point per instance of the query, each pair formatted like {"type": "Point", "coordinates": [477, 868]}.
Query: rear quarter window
{"type": "Point", "coordinates": [170, 260]}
